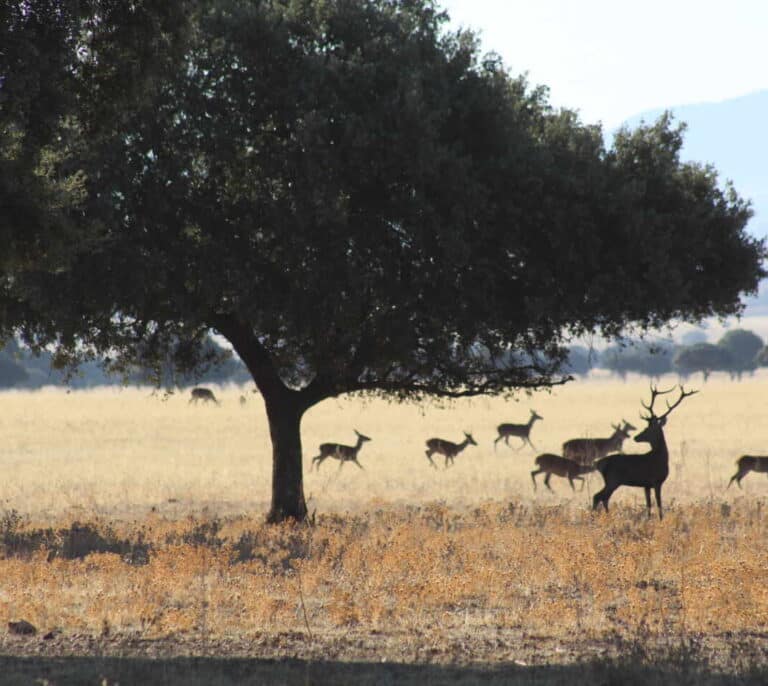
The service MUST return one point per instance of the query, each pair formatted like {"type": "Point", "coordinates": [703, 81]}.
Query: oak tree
{"type": "Point", "coordinates": [351, 195]}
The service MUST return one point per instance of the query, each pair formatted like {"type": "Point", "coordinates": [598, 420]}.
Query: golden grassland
{"type": "Point", "coordinates": [469, 560]}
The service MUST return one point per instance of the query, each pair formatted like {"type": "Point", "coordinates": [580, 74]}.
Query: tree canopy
{"type": "Point", "coordinates": [353, 196]}
{"type": "Point", "coordinates": [743, 347]}
{"type": "Point", "coordinates": [702, 357]}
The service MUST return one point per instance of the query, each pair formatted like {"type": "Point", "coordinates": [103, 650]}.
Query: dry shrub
{"type": "Point", "coordinates": [143, 533]}
{"type": "Point", "coordinates": [548, 571]}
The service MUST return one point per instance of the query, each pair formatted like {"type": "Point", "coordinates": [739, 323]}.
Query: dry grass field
{"type": "Point", "coordinates": [131, 526]}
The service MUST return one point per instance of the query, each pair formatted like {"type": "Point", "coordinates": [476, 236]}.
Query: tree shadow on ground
{"type": "Point", "coordinates": [211, 671]}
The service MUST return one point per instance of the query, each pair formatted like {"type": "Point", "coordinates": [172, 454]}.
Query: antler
{"type": "Point", "coordinates": [656, 392]}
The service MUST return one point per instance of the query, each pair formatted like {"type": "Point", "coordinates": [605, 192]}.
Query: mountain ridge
{"type": "Point", "coordinates": [728, 134]}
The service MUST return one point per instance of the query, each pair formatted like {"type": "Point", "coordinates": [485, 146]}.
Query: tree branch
{"type": "Point", "coordinates": [251, 351]}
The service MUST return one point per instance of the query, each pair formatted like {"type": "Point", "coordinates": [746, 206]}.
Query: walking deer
{"type": "Point", "coordinates": [204, 394]}
{"type": "Point", "coordinates": [522, 431]}
{"type": "Point", "coordinates": [342, 453]}
{"type": "Point", "coordinates": [550, 464]}
{"type": "Point", "coordinates": [446, 448]}
{"type": "Point", "coordinates": [587, 450]}
{"type": "Point", "coordinates": [647, 471]}
{"type": "Point", "coordinates": [746, 464]}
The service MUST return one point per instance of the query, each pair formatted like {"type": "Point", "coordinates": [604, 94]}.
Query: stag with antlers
{"type": "Point", "coordinates": [647, 471]}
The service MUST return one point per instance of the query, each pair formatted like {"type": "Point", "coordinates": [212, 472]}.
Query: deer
{"type": "Point", "coordinates": [746, 464]}
{"type": "Point", "coordinates": [550, 464]}
{"type": "Point", "coordinates": [587, 450]}
{"type": "Point", "coordinates": [204, 394]}
{"type": "Point", "coordinates": [648, 470]}
{"type": "Point", "coordinates": [522, 431]}
{"type": "Point", "coordinates": [342, 453]}
{"type": "Point", "coordinates": [447, 449]}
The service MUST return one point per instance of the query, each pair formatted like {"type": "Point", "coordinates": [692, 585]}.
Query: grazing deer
{"type": "Point", "coordinates": [446, 448]}
{"type": "Point", "coordinates": [647, 471]}
{"type": "Point", "coordinates": [522, 431]}
{"type": "Point", "coordinates": [204, 394]}
{"type": "Point", "coordinates": [550, 464]}
{"type": "Point", "coordinates": [587, 450]}
{"type": "Point", "coordinates": [342, 453]}
{"type": "Point", "coordinates": [746, 464]}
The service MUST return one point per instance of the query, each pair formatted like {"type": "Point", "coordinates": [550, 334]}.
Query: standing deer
{"type": "Point", "coordinates": [446, 448]}
{"type": "Point", "coordinates": [204, 394]}
{"type": "Point", "coordinates": [587, 450]}
{"type": "Point", "coordinates": [522, 431]}
{"type": "Point", "coordinates": [342, 453]}
{"type": "Point", "coordinates": [647, 471]}
{"type": "Point", "coordinates": [550, 464]}
{"type": "Point", "coordinates": [746, 464]}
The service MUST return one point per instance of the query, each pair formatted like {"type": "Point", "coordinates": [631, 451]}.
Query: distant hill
{"type": "Point", "coordinates": [731, 135]}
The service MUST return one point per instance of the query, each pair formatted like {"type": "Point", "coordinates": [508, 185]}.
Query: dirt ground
{"type": "Point", "coordinates": [375, 658]}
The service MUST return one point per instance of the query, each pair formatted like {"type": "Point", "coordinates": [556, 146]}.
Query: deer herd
{"type": "Point", "coordinates": [580, 456]}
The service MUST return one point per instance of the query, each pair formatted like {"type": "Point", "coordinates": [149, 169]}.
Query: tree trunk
{"type": "Point", "coordinates": [287, 475]}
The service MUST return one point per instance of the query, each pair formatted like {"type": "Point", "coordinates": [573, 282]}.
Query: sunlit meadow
{"type": "Point", "coordinates": [130, 514]}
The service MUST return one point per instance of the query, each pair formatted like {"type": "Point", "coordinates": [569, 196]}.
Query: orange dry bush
{"type": "Point", "coordinates": [495, 568]}
{"type": "Point", "coordinates": [125, 517]}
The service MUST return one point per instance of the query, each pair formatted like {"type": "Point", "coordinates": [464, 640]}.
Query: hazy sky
{"type": "Point", "coordinates": [611, 59]}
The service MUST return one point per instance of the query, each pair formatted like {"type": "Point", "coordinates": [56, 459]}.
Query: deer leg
{"type": "Point", "coordinates": [573, 488]}
{"type": "Point", "coordinates": [528, 441]}
{"type": "Point", "coordinates": [341, 464]}
{"type": "Point", "coordinates": [428, 453]}
{"type": "Point", "coordinates": [546, 481]}
{"type": "Point", "coordinates": [648, 499]}
{"type": "Point", "coordinates": [657, 491]}
{"type": "Point", "coordinates": [738, 476]}
{"type": "Point", "coordinates": [602, 497]}
{"type": "Point", "coordinates": [533, 476]}
{"type": "Point", "coordinates": [597, 499]}
{"type": "Point", "coordinates": [495, 443]}
{"type": "Point", "coordinates": [317, 460]}
{"type": "Point", "coordinates": [358, 464]}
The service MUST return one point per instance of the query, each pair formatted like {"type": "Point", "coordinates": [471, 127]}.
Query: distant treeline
{"type": "Point", "coordinates": [737, 353]}
{"type": "Point", "coordinates": [20, 368]}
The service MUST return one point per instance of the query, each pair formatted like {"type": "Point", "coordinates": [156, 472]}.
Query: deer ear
{"type": "Point", "coordinates": [663, 421]}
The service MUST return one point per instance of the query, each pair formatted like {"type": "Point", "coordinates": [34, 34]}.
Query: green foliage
{"type": "Point", "coordinates": [361, 198]}
{"type": "Point", "coordinates": [743, 347]}
{"type": "Point", "coordinates": [761, 359]}
{"type": "Point", "coordinates": [702, 357]}
{"type": "Point", "coordinates": [640, 357]}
